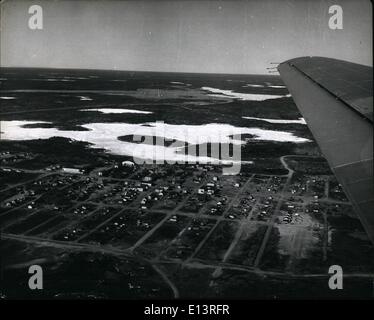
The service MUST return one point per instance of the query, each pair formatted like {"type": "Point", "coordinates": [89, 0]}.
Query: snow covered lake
{"type": "Point", "coordinates": [105, 136]}
{"type": "Point", "coordinates": [300, 120]}
{"type": "Point", "coordinates": [113, 110]}
{"type": "Point", "coordinates": [242, 96]}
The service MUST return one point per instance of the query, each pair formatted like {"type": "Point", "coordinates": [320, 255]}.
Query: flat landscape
{"type": "Point", "coordinates": [107, 215]}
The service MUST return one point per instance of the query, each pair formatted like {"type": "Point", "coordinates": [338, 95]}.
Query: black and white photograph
{"type": "Point", "coordinates": [166, 150]}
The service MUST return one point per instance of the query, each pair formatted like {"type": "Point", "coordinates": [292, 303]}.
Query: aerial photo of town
{"type": "Point", "coordinates": [78, 198]}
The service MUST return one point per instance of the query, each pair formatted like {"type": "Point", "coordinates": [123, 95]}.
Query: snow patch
{"type": "Point", "coordinates": [300, 120]}
{"type": "Point", "coordinates": [242, 96]}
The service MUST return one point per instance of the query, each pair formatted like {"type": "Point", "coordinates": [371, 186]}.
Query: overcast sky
{"type": "Point", "coordinates": [182, 36]}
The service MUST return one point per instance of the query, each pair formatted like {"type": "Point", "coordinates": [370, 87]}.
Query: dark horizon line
{"type": "Point", "coordinates": [145, 71]}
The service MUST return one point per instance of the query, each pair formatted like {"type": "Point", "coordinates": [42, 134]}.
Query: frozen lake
{"type": "Point", "coordinates": [105, 136]}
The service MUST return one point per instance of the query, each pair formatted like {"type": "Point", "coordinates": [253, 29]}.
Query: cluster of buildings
{"type": "Point", "coordinates": [290, 213]}
{"type": "Point", "coordinates": [8, 158]}
{"type": "Point", "coordinates": [20, 199]}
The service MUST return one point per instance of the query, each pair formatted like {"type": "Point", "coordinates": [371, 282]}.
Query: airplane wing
{"type": "Point", "coordinates": [336, 99]}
